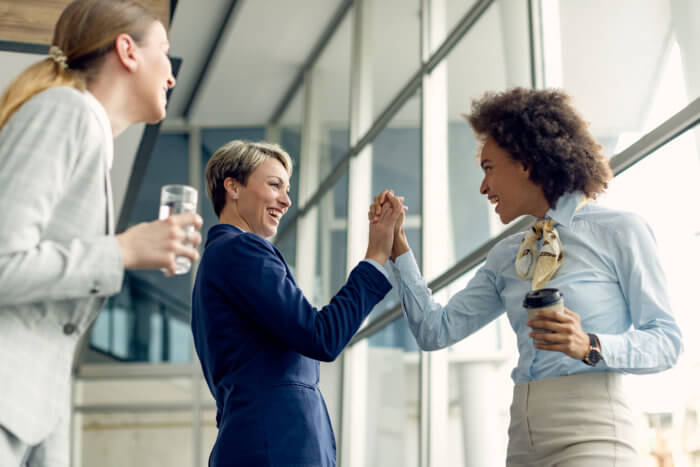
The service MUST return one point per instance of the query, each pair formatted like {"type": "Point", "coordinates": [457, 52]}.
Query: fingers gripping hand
{"type": "Point", "coordinates": [381, 234]}
{"type": "Point", "coordinates": [566, 337]}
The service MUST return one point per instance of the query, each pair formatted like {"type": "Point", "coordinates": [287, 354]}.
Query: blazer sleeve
{"type": "Point", "coordinates": [256, 279]}
{"type": "Point", "coordinates": [40, 147]}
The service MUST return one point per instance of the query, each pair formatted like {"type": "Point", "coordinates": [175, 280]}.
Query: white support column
{"type": "Point", "coordinates": [514, 27]}
{"type": "Point", "coordinates": [360, 170]}
{"type": "Point", "coordinates": [354, 394]}
{"type": "Point", "coordinates": [308, 183]}
{"type": "Point", "coordinates": [550, 28]}
{"type": "Point", "coordinates": [437, 230]}
{"type": "Point", "coordinates": [354, 406]}
{"type": "Point", "coordinates": [479, 422]}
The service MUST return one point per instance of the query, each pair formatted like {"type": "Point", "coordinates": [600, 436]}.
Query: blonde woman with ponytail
{"type": "Point", "coordinates": [59, 258]}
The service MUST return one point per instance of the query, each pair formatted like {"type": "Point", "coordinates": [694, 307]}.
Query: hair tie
{"type": "Point", "coordinates": [57, 55]}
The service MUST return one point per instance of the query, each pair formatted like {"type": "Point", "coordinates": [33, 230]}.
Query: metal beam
{"type": "Point", "coordinates": [24, 47]}
{"type": "Point", "coordinates": [228, 16]}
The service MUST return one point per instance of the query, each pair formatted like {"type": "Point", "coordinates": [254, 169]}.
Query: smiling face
{"type": "Point", "coordinates": [259, 205]}
{"type": "Point", "coordinates": [507, 184]}
{"type": "Point", "coordinates": [154, 74]}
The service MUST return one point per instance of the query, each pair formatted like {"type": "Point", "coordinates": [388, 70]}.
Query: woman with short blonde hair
{"type": "Point", "coordinates": [238, 159]}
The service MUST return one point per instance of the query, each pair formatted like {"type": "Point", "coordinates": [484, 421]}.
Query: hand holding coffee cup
{"type": "Point", "coordinates": [540, 300]}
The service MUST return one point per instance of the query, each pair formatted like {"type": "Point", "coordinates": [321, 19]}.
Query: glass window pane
{"type": "Point", "coordinates": [445, 14]}
{"type": "Point", "coordinates": [396, 165]}
{"type": "Point", "coordinates": [392, 412]}
{"type": "Point", "coordinates": [668, 400]}
{"type": "Point", "coordinates": [392, 42]}
{"type": "Point", "coordinates": [331, 99]}
{"type": "Point", "coordinates": [624, 83]}
{"type": "Point", "coordinates": [479, 389]}
{"type": "Point", "coordinates": [331, 247]}
{"type": "Point", "coordinates": [503, 64]}
{"type": "Point", "coordinates": [290, 140]}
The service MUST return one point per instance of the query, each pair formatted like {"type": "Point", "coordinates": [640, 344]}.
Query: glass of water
{"type": "Point", "coordinates": [176, 199]}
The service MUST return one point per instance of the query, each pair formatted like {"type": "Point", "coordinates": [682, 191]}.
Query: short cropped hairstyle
{"type": "Point", "coordinates": [238, 159]}
{"type": "Point", "coordinates": [541, 129]}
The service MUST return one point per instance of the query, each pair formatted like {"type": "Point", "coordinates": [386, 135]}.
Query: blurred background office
{"type": "Point", "coordinates": [353, 89]}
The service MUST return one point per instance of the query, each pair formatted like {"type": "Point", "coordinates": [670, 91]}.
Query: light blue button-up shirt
{"type": "Point", "coordinates": [611, 277]}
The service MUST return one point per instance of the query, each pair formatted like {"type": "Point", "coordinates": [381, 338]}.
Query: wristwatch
{"type": "Point", "coordinates": [593, 355]}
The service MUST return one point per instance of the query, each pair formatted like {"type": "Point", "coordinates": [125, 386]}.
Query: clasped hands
{"type": "Point", "coordinates": [387, 238]}
{"type": "Point", "coordinates": [565, 336]}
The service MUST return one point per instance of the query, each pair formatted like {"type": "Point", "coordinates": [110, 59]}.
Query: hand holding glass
{"type": "Point", "coordinates": [178, 199]}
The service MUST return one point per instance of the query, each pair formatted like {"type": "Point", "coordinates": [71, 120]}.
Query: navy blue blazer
{"type": "Point", "coordinates": [260, 341]}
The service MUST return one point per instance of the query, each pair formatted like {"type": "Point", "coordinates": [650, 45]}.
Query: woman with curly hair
{"type": "Point", "coordinates": [568, 408]}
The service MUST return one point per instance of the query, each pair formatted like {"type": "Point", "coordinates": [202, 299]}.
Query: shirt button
{"type": "Point", "coordinates": [68, 329]}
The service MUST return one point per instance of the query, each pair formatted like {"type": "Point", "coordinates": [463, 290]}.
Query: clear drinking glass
{"type": "Point", "coordinates": [176, 199]}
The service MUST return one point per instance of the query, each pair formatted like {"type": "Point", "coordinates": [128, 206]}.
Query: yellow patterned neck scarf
{"type": "Point", "coordinates": [541, 267]}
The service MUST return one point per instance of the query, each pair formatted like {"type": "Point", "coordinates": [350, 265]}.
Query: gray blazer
{"type": "Point", "coordinates": [59, 258]}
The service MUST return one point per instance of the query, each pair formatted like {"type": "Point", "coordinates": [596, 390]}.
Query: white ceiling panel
{"type": "Point", "coordinates": [192, 34]}
{"type": "Point", "coordinates": [260, 55]}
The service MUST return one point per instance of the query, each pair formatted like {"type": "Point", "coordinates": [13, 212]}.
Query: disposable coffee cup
{"type": "Point", "coordinates": [543, 299]}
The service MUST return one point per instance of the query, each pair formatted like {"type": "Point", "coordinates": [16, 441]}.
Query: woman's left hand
{"type": "Point", "coordinates": [567, 337]}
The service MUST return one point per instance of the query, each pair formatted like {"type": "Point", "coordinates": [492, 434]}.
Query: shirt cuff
{"type": "Point", "coordinates": [405, 266]}
{"type": "Point", "coordinates": [612, 345]}
{"type": "Point", "coordinates": [378, 266]}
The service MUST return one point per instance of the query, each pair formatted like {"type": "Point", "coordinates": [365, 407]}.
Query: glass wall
{"type": "Point", "coordinates": [391, 42]}
{"type": "Point", "coordinates": [472, 70]}
{"type": "Point", "coordinates": [668, 401]}
{"type": "Point", "coordinates": [148, 321]}
{"type": "Point", "coordinates": [391, 404]}
{"type": "Point", "coordinates": [330, 114]}
{"type": "Point", "coordinates": [396, 165]}
{"type": "Point", "coordinates": [624, 83]}
{"type": "Point", "coordinates": [381, 392]}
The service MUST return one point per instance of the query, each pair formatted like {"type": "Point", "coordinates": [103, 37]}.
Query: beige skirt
{"type": "Point", "coordinates": [572, 421]}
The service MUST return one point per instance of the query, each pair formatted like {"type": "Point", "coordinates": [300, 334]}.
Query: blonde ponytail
{"type": "Point", "coordinates": [38, 77]}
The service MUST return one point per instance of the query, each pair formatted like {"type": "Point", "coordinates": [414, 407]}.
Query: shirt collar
{"type": "Point", "coordinates": [565, 209]}
{"type": "Point", "coordinates": [103, 118]}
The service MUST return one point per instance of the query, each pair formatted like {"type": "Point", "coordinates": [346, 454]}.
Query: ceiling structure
{"type": "Point", "coordinates": [240, 58]}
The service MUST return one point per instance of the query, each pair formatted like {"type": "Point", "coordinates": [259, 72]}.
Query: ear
{"type": "Point", "coordinates": [125, 48]}
{"type": "Point", "coordinates": [525, 169]}
{"type": "Point", "coordinates": [232, 187]}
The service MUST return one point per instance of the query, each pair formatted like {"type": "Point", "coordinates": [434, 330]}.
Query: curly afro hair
{"type": "Point", "coordinates": [542, 130]}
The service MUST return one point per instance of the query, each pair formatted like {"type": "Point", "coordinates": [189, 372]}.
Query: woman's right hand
{"type": "Point", "coordinates": [381, 201]}
{"type": "Point", "coordinates": [381, 231]}
{"type": "Point", "coordinates": [155, 245]}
